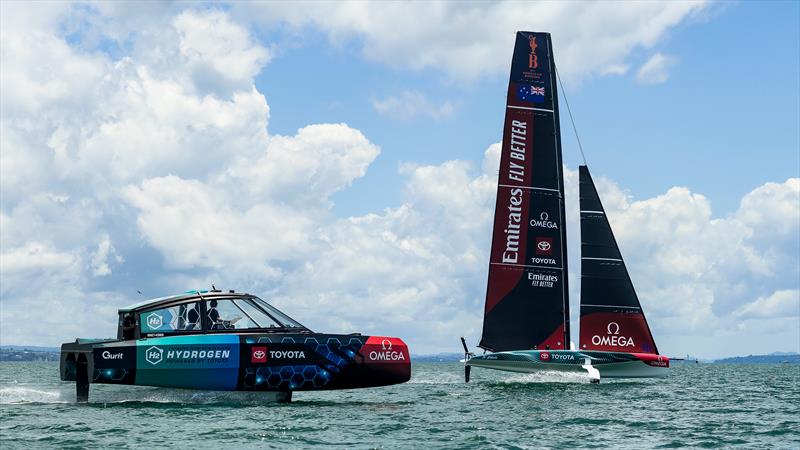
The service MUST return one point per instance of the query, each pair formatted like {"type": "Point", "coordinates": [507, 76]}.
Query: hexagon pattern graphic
{"type": "Point", "coordinates": [333, 350]}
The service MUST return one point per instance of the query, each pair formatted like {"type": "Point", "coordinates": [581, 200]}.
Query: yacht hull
{"type": "Point", "coordinates": [608, 364]}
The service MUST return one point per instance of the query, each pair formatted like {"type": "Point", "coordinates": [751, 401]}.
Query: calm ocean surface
{"type": "Point", "coordinates": [704, 405]}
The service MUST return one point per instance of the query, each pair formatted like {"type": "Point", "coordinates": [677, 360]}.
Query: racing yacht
{"type": "Point", "coordinates": [229, 341]}
{"type": "Point", "coordinates": [526, 326]}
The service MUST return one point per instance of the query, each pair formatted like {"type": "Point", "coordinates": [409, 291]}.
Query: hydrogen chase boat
{"type": "Point", "coordinates": [214, 340]}
{"type": "Point", "coordinates": [526, 324]}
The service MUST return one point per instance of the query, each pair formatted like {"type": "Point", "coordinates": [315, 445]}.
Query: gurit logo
{"type": "Point", "coordinates": [154, 355]}
{"type": "Point", "coordinates": [108, 355]}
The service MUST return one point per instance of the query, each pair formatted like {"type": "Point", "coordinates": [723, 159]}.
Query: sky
{"type": "Point", "coordinates": [340, 160]}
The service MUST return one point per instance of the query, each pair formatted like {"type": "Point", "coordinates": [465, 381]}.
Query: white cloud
{"type": "Point", "coordinates": [467, 41]}
{"type": "Point", "coordinates": [100, 267]}
{"type": "Point", "coordinates": [410, 104]}
{"type": "Point", "coordinates": [655, 70]}
{"type": "Point", "coordinates": [781, 304]}
{"type": "Point", "coordinates": [217, 51]}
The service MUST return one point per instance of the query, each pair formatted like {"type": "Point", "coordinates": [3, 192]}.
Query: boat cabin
{"type": "Point", "coordinates": [203, 312]}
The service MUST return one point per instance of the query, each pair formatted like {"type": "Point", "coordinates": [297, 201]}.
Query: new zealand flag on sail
{"type": "Point", "coordinates": [530, 93]}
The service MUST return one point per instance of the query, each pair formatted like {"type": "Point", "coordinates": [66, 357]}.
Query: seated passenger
{"type": "Point", "coordinates": [217, 322]}
{"type": "Point", "coordinates": [213, 316]}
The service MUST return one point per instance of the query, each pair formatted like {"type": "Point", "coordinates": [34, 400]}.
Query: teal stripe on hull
{"type": "Point", "coordinates": [196, 362]}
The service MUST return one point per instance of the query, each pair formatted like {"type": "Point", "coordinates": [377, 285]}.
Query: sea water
{"type": "Point", "coordinates": [698, 405]}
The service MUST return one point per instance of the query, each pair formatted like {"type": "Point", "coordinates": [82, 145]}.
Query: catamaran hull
{"type": "Point", "coordinates": [608, 364]}
{"type": "Point", "coordinates": [243, 362]}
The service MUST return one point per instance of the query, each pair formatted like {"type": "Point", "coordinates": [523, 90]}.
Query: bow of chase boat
{"type": "Point", "coordinates": [214, 340]}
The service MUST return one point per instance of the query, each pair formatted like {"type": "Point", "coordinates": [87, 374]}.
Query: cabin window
{"type": "Point", "coordinates": [183, 317]}
{"type": "Point", "coordinates": [279, 316]}
{"type": "Point", "coordinates": [225, 314]}
{"type": "Point", "coordinates": [264, 320]}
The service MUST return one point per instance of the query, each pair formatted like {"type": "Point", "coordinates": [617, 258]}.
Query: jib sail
{"type": "Point", "coordinates": [527, 305]}
{"type": "Point", "coordinates": [611, 316]}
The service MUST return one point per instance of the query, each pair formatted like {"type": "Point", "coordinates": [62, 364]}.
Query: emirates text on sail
{"type": "Point", "coordinates": [516, 172]}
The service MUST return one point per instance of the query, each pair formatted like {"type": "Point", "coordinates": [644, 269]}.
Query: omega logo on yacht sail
{"type": "Point", "coordinates": [544, 221]}
{"type": "Point", "coordinates": [612, 337]}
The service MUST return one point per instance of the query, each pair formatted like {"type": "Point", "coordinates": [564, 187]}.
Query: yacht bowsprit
{"type": "Point", "coordinates": [216, 340]}
{"type": "Point", "coordinates": [526, 325]}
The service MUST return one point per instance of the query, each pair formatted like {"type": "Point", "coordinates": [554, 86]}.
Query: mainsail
{"type": "Point", "coordinates": [527, 304]}
{"type": "Point", "coordinates": [611, 316]}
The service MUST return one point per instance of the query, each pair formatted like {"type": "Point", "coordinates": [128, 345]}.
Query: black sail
{"type": "Point", "coordinates": [527, 305]}
{"type": "Point", "coordinates": [611, 315]}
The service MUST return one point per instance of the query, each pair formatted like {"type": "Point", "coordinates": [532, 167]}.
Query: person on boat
{"type": "Point", "coordinates": [217, 322]}
{"type": "Point", "coordinates": [213, 316]}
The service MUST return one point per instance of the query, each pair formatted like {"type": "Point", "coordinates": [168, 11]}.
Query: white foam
{"type": "Point", "coordinates": [549, 377]}
{"type": "Point", "coordinates": [19, 394]}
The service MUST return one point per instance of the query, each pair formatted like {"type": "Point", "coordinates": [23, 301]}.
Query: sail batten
{"type": "Point", "coordinates": [527, 305]}
{"type": "Point", "coordinates": [612, 318]}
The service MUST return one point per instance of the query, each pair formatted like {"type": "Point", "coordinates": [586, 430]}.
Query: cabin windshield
{"type": "Point", "coordinates": [237, 314]}
{"type": "Point", "coordinates": [285, 320]}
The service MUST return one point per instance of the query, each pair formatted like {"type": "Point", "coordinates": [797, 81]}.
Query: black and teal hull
{"type": "Point", "coordinates": [242, 362]}
{"type": "Point", "coordinates": [608, 364]}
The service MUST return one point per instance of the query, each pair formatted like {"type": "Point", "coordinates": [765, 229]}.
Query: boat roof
{"type": "Point", "coordinates": [180, 297]}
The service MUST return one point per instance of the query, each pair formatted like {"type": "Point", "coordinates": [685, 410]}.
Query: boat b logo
{"type": "Point", "coordinates": [533, 60]}
{"type": "Point", "coordinates": [258, 355]}
{"type": "Point", "coordinates": [544, 246]}
{"type": "Point", "coordinates": [613, 328]}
